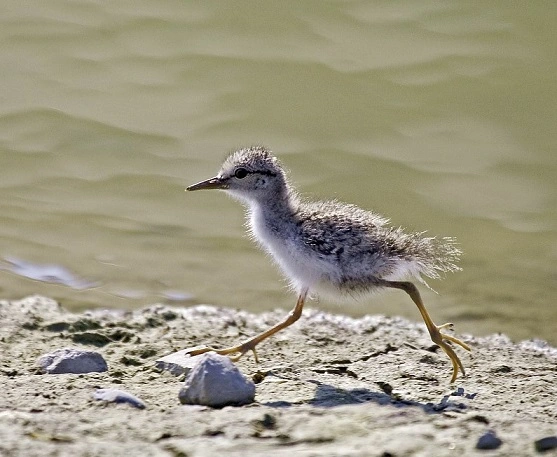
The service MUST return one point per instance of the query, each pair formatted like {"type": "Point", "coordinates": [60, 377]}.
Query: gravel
{"type": "Point", "coordinates": [330, 385]}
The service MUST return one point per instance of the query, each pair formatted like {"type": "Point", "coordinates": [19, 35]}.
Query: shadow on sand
{"type": "Point", "coordinates": [327, 396]}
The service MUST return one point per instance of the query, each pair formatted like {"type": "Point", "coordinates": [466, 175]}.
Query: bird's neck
{"type": "Point", "coordinates": [282, 203]}
{"type": "Point", "coordinates": [270, 216]}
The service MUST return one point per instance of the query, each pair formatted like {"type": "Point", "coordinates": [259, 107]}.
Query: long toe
{"type": "Point", "coordinates": [454, 359]}
{"type": "Point", "coordinates": [226, 351]}
{"type": "Point", "coordinates": [456, 341]}
{"type": "Point", "coordinates": [199, 350]}
{"type": "Point", "coordinates": [448, 325]}
{"type": "Point", "coordinates": [440, 339]}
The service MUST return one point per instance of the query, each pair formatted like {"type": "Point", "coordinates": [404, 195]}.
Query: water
{"type": "Point", "coordinates": [440, 115]}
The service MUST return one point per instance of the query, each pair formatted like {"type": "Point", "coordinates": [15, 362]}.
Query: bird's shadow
{"type": "Point", "coordinates": [327, 396]}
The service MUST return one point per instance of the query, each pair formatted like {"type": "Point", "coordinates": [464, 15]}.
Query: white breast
{"type": "Point", "coordinates": [303, 269]}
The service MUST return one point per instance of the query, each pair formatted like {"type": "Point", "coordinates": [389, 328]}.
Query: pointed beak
{"type": "Point", "coordinates": [213, 183]}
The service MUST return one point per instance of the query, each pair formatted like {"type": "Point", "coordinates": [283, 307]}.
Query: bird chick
{"type": "Point", "coordinates": [328, 247]}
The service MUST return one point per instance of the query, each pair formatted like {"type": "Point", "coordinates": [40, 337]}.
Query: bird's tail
{"type": "Point", "coordinates": [421, 256]}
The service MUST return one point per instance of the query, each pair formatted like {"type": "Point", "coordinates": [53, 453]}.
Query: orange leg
{"type": "Point", "coordinates": [249, 345]}
{"type": "Point", "coordinates": [434, 330]}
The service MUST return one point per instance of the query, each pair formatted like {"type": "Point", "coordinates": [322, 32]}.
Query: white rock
{"type": "Point", "coordinates": [70, 360]}
{"type": "Point", "coordinates": [215, 381]}
{"type": "Point", "coordinates": [118, 396]}
{"type": "Point", "coordinates": [179, 362]}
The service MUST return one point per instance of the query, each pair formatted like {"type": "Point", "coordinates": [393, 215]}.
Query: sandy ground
{"type": "Point", "coordinates": [328, 386]}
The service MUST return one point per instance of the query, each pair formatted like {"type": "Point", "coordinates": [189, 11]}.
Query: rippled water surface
{"type": "Point", "coordinates": [440, 115]}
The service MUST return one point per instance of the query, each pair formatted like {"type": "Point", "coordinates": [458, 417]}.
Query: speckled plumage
{"type": "Point", "coordinates": [329, 247]}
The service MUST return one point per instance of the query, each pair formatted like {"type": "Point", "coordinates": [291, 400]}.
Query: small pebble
{"type": "Point", "coordinates": [70, 360]}
{"type": "Point", "coordinates": [546, 444]}
{"type": "Point", "coordinates": [118, 396]}
{"type": "Point", "coordinates": [179, 362]}
{"type": "Point", "coordinates": [215, 381]}
{"type": "Point", "coordinates": [488, 440]}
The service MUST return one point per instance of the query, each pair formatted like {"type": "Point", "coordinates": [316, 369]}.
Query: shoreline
{"type": "Point", "coordinates": [329, 385]}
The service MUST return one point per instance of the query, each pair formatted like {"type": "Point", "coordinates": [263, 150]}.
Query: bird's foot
{"type": "Point", "coordinates": [450, 326]}
{"type": "Point", "coordinates": [440, 339]}
{"type": "Point", "coordinates": [233, 352]}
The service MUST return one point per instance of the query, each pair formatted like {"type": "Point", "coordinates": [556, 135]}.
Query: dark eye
{"type": "Point", "coordinates": [241, 173]}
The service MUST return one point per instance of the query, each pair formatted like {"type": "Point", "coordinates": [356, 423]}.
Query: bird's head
{"type": "Point", "coordinates": [251, 174]}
